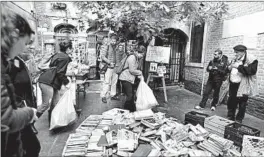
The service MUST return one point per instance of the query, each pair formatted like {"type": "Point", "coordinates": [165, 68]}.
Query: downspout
{"type": "Point", "coordinates": [205, 51]}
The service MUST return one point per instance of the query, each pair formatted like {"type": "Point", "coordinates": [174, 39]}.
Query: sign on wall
{"type": "Point", "coordinates": [158, 54]}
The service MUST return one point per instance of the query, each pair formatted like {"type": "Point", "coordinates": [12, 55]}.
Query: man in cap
{"type": "Point", "coordinates": [217, 69]}
{"type": "Point", "coordinates": [243, 82]}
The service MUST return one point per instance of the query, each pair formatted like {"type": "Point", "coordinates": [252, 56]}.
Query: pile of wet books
{"type": "Point", "coordinates": [89, 124]}
{"type": "Point", "coordinates": [216, 145]}
{"type": "Point", "coordinates": [76, 145]}
{"type": "Point", "coordinates": [127, 140]}
{"type": "Point", "coordinates": [144, 133]}
{"type": "Point", "coordinates": [93, 148]}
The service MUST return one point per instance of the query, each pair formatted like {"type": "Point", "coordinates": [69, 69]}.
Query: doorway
{"type": "Point", "coordinates": [177, 40]}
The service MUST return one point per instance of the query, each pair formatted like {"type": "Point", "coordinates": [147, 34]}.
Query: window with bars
{"type": "Point", "coordinates": [196, 46]}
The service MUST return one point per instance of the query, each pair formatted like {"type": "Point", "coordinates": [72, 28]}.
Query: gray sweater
{"type": "Point", "coordinates": [131, 71]}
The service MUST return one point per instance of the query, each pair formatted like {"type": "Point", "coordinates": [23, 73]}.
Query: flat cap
{"type": "Point", "coordinates": [240, 48]}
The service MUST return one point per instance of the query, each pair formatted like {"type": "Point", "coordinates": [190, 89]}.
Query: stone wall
{"type": "Point", "coordinates": [194, 75]}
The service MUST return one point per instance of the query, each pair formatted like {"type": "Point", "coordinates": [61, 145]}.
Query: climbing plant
{"type": "Point", "coordinates": [134, 19]}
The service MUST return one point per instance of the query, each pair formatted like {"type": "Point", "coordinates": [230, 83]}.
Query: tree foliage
{"type": "Point", "coordinates": [132, 19]}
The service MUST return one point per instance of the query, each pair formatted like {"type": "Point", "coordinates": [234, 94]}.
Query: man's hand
{"type": "Point", "coordinates": [210, 68]}
{"type": "Point", "coordinates": [235, 65]}
{"type": "Point", "coordinates": [112, 65]}
{"type": "Point", "coordinates": [35, 117]}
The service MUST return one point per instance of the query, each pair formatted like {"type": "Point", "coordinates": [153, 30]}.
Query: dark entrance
{"type": "Point", "coordinates": [177, 40]}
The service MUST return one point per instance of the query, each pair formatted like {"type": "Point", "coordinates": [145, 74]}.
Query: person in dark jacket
{"type": "Point", "coordinates": [15, 35]}
{"type": "Point", "coordinates": [217, 69]}
{"type": "Point", "coordinates": [24, 94]}
{"type": "Point", "coordinates": [50, 86]}
{"type": "Point", "coordinates": [242, 82]}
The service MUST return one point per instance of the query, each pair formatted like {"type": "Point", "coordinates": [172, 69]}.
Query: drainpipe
{"type": "Point", "coordinates": [205, 50]}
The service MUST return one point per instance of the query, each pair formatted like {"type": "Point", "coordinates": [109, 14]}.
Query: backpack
{"type": "Point", "coordinates": [119, 69]}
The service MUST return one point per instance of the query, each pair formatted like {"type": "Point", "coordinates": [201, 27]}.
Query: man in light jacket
{"type": "Point", "coordinates": [109, 58]}
{"type": "Point", "coordinates": [243, 82]}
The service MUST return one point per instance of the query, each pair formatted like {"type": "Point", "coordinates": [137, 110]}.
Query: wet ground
{"type": "Point", "coordinates": [180, 101]}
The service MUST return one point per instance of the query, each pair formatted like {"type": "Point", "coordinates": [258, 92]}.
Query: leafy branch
{"type": "Point", "coordinates": [133, 19]}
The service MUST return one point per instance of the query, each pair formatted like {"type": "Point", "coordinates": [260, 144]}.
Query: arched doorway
{"type": "Point", "coordinates": [177, 40]}
{"type": "Point", "coordinates": [65, 28]}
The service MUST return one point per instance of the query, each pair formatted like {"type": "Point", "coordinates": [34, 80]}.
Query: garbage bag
{"type": "Point", "coordinates": [145, 97]}
{"type": "Point", "coordinates": [64, 113]}
{"type": "Point", "coordinates": [38, 95]}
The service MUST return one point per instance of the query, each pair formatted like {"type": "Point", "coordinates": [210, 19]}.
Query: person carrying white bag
{"type": "Point", "coordinates": [145, 97]}
{"type": "Point", "coordinates": [129, 73]}
{"type": "Point", "coordinates": [64, 112]}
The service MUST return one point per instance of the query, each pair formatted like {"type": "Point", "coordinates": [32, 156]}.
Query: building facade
{"type": "Point", "coordinates": [242, 25]}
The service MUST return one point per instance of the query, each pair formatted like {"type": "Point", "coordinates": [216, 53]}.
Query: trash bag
{"type": "Point", "coordinates": [64, 113]}
{"type": "Point", "coordinates": [145, 97]}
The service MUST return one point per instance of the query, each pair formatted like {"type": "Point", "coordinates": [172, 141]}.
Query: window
{"type": "Point", "coordinates": [196, 45]}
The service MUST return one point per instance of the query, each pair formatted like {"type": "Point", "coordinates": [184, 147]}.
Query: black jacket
{"type": "Point", "coordinates": [60, 61]}
{"type": "Point", "coordinates": [219, 74]}
{"type": "Point", "coordinates": [11, 116]}
{"type": "Point", "coordinates": [21, 79]}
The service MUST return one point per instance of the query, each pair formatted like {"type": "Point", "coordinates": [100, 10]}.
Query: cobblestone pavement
{"type": "Point", "coordinates": [180, 101]}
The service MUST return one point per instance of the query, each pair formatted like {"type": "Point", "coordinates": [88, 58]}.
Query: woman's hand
{"type": "Point", "coordinates": [35, 117]}
{"type": "Point", "coordinates": [141, 77]}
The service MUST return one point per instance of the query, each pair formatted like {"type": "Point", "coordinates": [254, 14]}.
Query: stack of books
{"type": "Point", "coordinates": [76, 145]}
{"type": "Point", "coordinates": [216, 145]}
{"type": "Point", "coordinates": [93, 149]}
{"type": "Point", "coordinates": [151, 123]}
{"type": "Point", "coordinates": [88, 125]}
{"type": "Point", "coordinates": [127, 140]}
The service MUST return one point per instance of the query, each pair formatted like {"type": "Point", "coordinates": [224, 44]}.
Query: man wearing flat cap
{"type": "Point", "coordinates": [243, 82]}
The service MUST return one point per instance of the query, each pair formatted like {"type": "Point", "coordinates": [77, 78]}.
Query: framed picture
{"type": "Point", "coordinates": [153, 67]}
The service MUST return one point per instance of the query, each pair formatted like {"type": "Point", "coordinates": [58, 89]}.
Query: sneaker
{"type": "Point", "coordinates": [115, 97]}
{"type": "Point", "coordinates": [238, 121]}
{"type": "Point", "coordinates": [104, 100]}
{"type": "Point", "coordinates": [213, 108]}
{"type": "Point", "coordinates": [198, 107]}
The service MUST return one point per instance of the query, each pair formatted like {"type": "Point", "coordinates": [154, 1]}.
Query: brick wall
{"type": "Point", "coordinates": [194, 75]}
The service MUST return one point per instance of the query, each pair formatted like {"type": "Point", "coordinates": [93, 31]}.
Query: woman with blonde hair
{"type": "Point", "coordinates": [15, 35]}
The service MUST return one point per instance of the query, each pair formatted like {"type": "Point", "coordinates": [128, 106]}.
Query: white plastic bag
{"type": "Point", "coordinates": [64, 112]}
{"type": "Point", "coordinates": [38, 95]}
{"type": "Point", "coordinates": [145, 97]}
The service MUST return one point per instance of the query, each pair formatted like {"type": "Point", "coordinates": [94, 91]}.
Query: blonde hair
{"type": "Point", "coordinates": [11, 21]}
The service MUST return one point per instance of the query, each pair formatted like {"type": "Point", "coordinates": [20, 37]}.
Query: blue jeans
{"type": "Point", "coordinates": [50, 97]}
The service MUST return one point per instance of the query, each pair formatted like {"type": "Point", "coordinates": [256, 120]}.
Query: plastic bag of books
{"type": "Point", "coordinates": [145, 97]}
{"type": "Point", "coordinates": [64, 112]}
